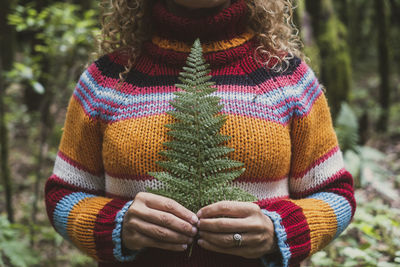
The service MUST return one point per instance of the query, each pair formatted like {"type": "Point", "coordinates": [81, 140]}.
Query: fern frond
{"type": "Point", "coordinates": [346, 128]}
{"type": "Point", "coordinates": [197, 170]}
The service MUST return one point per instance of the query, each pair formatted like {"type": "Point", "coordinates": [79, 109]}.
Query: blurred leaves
{"type": "Point", "coordinates": [59, 26]}
{"type": "Point", "coordinates": [346, 127]}
{"type": "Point", "coordinates": [363, 162]}
{"type": "Point", "coordinates": [22, 73]}
{"type": "Point", "coordinates": [54, 45]}
{"type": "Point", "coordinates": [14, 245]}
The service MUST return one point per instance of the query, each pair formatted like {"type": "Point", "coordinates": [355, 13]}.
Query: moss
{"type": "Point", "coordinates": [335, 61]}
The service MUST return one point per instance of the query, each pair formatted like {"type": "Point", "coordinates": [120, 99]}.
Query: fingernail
{"type": "Point", "coordinates": [184, 246]}
{"type": "Point", "coordinates": [199, 214]}
{"type": "Point", "coordinates": [198, 223]}
{"type": "Point", "coordinates": [195, 219]}
{"type": "Point", "coordinates": [194, 230]}
{"type": "Point", "coordinates": [200, 241]}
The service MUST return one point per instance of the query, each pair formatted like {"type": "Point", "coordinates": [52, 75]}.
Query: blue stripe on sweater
{"type": "Point", "coordinates": [264, 106]}
{"type": "Point", "coordinates": [62, 210]}
{"type": "Point", "coordinates": [340, 206]}
{"type": "Point", "coordinates": [129, 255]}
{"type": "Point", "coordinates": [282, 238]}
{"type": "Point", "coordinates": [271, 98]}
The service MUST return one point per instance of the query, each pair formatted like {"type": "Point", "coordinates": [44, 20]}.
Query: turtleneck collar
{"type": "Point", "coordinates": [224, 25]}
{"type": "Point", "coordinates": [224, 35]}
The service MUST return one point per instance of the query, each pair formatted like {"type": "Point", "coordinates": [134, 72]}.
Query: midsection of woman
{"type": "Point", "coordinates": [134, 133]}
{"type": "Point", "coordinates": [280, 127]}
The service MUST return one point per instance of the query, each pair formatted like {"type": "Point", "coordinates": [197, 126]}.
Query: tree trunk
{"type": "Point", "coordinates": [342, 9]}
{"type": "Point", "coordinates": [7, 37]}
{"type": "Point", "coordinates": [383, 63]}
{"type": "Point", "coordinates": [395, 10]}
{"type": "Point", "coordinates": [5, 172]}
{"type": "Point", "coordinates": [335, 66]}
{"type": "Point", "coordinates": [86, 5]}
{"type": "Point", "coordinates": [7, 41]}
{"type": "Point", "coordinates": [395, 28]}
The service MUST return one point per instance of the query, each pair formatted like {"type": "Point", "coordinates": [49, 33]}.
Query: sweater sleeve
{"type": "Point", "coordinates": [74, 193]}
{"type": "Point", "coordinates": [321, 198]}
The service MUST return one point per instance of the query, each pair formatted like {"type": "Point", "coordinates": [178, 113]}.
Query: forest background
{"type": "Point", "coordinates": [353, 45]}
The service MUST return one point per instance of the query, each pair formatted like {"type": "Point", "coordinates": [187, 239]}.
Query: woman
{"type": "Point", "coordinates": [277, 116]}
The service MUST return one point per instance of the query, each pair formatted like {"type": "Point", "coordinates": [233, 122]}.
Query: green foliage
{"type": "Point", "coordinates": [15, 249]}
{"type": "Point", "coordinates": [198, 170]}
{"type": "Point", "coordinates": [26, 73]}
{"type": "Point", "coordinates": [56, 43]}
{"type": "Point", "coordinates": [61, 33]}
{"type": "Point", "coordinates": [347, 128]}
{"type": "Point", "coordinates": [362, 162]}
{"type": "Point", "coordinates": [336, 62]}
{"type": "Point", "coordinates": [78, 259]}
{"type": "Point", "coordinates": [59, 26]}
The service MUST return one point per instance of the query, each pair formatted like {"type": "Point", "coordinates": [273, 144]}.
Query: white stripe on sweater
{"type": "Point", "coordinates": [129, 187]}
{"type": "Point", "coordinates": [319, 174]}
{"type": "Point", "coordinates": [76, 177]}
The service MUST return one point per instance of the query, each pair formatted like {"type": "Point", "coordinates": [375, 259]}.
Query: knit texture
{"type": "Point", "coordinates": [279, 123]}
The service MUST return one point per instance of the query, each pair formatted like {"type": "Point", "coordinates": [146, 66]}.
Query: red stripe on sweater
{"type": "Point", "coordinates": [296, 228]}
{"type": "Point", "coordinates": [56, 189]}
{"type": "Point", "coordinates": [104, 226]}
{"type": "Point", "coordinates": [84, 102]}
{"type": "Point", "coordinates": [53, 194]}
{"type": "Point", "coordinates": [318, 188]}
{"type": "Point", "coordinates": [224, 25]}
{"type": "Point", "coordinates": [220, 58]}
{"type": "Point", "coordinates": [343, 186]}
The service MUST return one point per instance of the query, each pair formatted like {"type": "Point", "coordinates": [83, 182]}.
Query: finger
{"type": "Point", "coordinates": [227, 241]}
{"type": "Point", "coordinates": [166, 220]}
{"type": "Point", "coordinates": [147, 241]}
{"type": "Point", "coordinates": [229, 225]}
{"type": "Point", "coordinates": [235, 209]}
{"type": "Point", "coordinates": [169, 205]}
{"type": "Point", "coordinates": [158, 233]}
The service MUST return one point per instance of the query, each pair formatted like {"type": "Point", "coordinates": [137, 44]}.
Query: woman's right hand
{"type": "Point", "coordinates": [159, 222]}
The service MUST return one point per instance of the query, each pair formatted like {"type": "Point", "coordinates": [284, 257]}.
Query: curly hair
{"type": "Point", "coordinates": [125, 26]}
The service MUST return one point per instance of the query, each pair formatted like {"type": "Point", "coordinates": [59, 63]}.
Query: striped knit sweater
{"type": "Point", "coordinates": [279, 123]}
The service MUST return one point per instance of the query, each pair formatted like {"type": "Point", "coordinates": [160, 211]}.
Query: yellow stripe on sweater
{"type": "Point", "coordinates": [81, 223]}
{"type": "Point", "coordinates": [131, 147]}
{"type": "Point", "coordinates": [81, 140]}
{"type": "Point", "coordinates": [210, 47]}
{"type": "Point", "coordinates": [321, 220]}
{"type": "Point", "coordinates": [312, 136]}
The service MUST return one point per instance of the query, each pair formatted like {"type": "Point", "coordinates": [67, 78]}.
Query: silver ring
{"type": "Point", "coordinates": [238, 239]}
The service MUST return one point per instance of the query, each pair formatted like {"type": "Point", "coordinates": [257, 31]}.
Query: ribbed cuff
{"type": "Point", "coordinates": [120, 253]}
{"type": "Point", "coordinates": [281, 237]}
{"type": "Point", "coordinates": [292, 232]}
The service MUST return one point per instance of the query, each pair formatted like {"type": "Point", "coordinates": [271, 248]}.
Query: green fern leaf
{"type": "Point", "coordinates": [197, 170]}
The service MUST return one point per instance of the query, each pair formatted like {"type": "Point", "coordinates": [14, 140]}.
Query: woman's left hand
{"type": "Point", "coordinates": [218, 223]}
